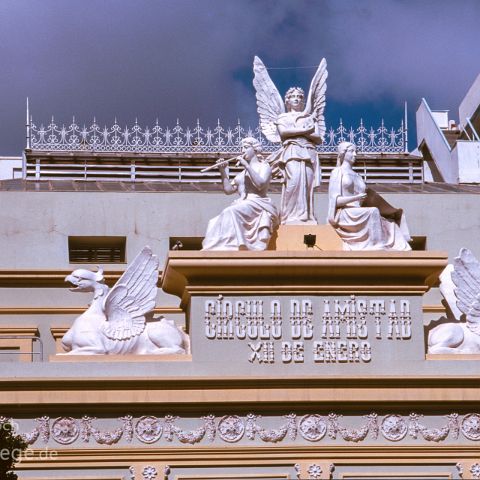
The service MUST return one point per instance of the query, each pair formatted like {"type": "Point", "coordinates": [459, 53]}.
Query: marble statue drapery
{"type": "Point", "coordinates": [361, 225]}
{"type": "Point", "coordinates": [248, 223]}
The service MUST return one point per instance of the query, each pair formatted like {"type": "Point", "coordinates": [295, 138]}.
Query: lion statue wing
{"type": "Point", "coordinates": [269, 102]}
{"type": "Point", "coordinates": [132, 297]}
{"type": "Point", "coordinates": [466, 277]}
{"type": "Point", "coordinates": [315, 104]}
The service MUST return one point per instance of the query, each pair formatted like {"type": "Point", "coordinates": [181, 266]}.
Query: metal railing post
{"type": "Point", "coordinates": [474, 132]}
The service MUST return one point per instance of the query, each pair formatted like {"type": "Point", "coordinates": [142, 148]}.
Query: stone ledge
{"type": "Point", "coordinates": [454, 356]}
{"type": "Point", "coordinates": [204, 272]}
{"type": "Point", "coordinates": [119, 358]}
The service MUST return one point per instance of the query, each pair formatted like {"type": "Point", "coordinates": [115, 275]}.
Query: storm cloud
{"type": "Point", "coordinates": [190, 59]}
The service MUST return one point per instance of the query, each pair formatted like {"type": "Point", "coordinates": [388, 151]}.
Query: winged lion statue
{"type": "Point", "coordinates": [116, 322]}
{"type": "Point", "coordinates": [460, 286]}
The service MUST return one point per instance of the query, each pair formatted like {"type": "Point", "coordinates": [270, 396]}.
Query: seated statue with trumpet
{"type": "Point", "coordinates": [248, 223]}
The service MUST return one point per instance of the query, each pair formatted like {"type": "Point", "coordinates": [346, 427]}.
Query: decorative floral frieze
{"type": "Point", "coordinates": [150, 429]}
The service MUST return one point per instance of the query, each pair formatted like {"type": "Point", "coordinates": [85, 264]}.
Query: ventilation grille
{"type": "Point", "coordinates": [96, 249]}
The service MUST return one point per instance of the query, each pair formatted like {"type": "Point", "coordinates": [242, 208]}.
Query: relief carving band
{"type": "Point", "coordinates": [292, 427]}
{"type": "Point", "coordinates": [329, 330]}
{"type": "Point", "coordinates": [299, 125]}
{"type": "Point", "coordinates": [361, 217]}
{"type": "Point", "coordinates": [116, 321]}
{"type": "Point", "coordinates": [248, 223]}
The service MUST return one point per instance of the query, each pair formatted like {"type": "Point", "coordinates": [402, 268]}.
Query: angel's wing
{"type": "Point", "coordinates": [132, 297]}
{"type": "Point", "coordinates": [315, 104]}
{"type": "Point", "coordinates": [269, 102]}
{"type": "Point", "coordinates": [466, 277]}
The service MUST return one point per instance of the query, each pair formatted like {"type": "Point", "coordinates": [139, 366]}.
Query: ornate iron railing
{"type": "Point", "coordinates": [196, 140]}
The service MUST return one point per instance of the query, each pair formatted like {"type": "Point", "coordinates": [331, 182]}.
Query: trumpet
{"type": "Point", "coordinates": [223, 162]}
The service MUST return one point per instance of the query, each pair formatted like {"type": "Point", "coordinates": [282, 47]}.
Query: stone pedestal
{"type": "Point", "coordinates": [305, 313]}
{"type": "Point", "coordinates": [291, 238]}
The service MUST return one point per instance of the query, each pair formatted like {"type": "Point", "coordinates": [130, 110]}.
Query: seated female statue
{"type": "Point", "coordinates": [361, 217]}
{"type": "Point", "coordinates": [248, 223]}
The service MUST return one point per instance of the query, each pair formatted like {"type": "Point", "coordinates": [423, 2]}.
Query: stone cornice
{"type": "Point", "coordinates": [45, 277]}
{"type": "Point", "coordinates": [201, 392]}
{"type": "Point", "coordinates": [70, 310]}
{"type": "Point", "coordinates": [272, 272]}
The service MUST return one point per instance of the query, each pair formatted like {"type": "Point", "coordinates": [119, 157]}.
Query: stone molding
{"type": "Point", "coordinates": [70, 311]}
{"type": "Point", "coordinates": [187, 392]}
{"type": "Point", "coordinates": [275, 272]}
{"type": "Point", "coordinates": [44, 278]}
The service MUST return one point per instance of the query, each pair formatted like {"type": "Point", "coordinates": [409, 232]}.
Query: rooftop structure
{"type": "Point", "coordinates": [451, 148]}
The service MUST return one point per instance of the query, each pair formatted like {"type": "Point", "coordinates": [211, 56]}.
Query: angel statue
{"type": "Point", "coordinates": [116, 321]}
{"type": "Point", "coordinates": [300, 126]}
{"type": "Point", "coordinates": [460, 286]}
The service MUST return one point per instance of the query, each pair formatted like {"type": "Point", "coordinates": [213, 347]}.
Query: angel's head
{"type": "Point", "coordinates": [295, 99]}
{"type": "Point", "coordinates": [252, 142]}
{"type": "Point", "coordinates": [346, 150]}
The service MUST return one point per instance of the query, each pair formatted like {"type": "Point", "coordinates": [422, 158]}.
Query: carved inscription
{"type": "Point", "coordinates": [339, 331]}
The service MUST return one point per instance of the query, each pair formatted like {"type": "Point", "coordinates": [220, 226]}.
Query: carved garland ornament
{"type": "Point", "coordinates": [233, 428]}
{"type": "Point", "coordinates": [271, 435]}
{"type": "Point", "coordinates": [434, 434]}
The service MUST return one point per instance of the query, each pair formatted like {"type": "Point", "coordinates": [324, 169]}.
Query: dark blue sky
{"type": "Point", "coordinates": [193, 58]}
